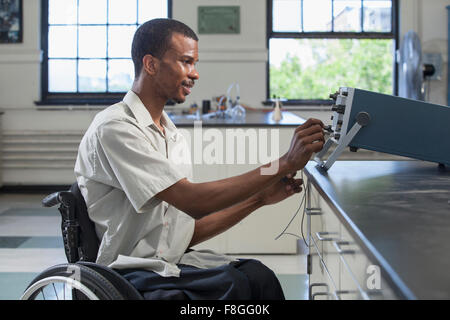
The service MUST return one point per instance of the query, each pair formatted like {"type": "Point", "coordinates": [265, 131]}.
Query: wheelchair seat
{"type": "Point", "coordinates": [84, 278]}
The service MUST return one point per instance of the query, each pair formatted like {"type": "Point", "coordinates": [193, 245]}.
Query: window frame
{"type": "Point", "coordinates": [270, 34]}
{"type": "Point", "coordinates": [71, 98]}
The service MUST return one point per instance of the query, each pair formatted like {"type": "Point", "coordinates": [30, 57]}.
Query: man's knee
{"type": "Point", "coordinates": [263, 281]}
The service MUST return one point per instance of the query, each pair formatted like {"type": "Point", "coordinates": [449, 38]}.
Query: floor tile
{"type": "Point", "coordinates": [13, 284]}
{"type": "Point", "coordinates": [30, 242]}
{"type": "Point", "coordinates": [30, 260]}
{"type": "Point", "coordinates": [295, 286]}
{"type": "Point", "coordinates": [29, 226]}
{"type": "Point", "coordinates": [43, 242]}
{"type": "Point", "coordinates": [12, 242]}
{"type": "Point", "coordinates": [31, 212]}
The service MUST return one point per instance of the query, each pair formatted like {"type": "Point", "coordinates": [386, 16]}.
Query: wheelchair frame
{"type": "Point", "coordinates": [86, 279]}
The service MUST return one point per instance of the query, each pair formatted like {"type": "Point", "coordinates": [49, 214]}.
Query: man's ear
{"type": "Point", "coordinates": [150, 64]}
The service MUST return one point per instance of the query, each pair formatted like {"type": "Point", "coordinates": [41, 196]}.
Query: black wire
{"type": "Point", "coordinates": [292, 219]}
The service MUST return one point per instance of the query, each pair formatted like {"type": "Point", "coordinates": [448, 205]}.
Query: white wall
{"type": "Point", "coordinates": [40, 145]}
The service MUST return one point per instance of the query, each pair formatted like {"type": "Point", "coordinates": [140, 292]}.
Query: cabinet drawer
{"type": "Point", "coordinates": [321, 286]}
{"type": "Point", "coordinates": [360, 271]}
{"type": "Point", "coordinates": [325, 226]}
{"type": "Point", "coordinates": [350, 289]}
{"type": "Point", "coordinates": [353, 258]}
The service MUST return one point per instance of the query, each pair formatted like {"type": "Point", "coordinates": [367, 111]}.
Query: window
{"type": "Point", "coordinates": [87, 48]}
{"type": "Point", "coordinates": [317, 46]}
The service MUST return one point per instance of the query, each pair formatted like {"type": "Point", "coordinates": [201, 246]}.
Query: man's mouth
{"type": "Point", "coordinates": [187, 87]}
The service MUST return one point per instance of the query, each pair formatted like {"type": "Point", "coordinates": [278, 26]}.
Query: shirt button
{"type": "Point", "coordinates": [166, 224]}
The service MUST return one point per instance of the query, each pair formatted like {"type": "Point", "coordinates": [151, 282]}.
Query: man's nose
{"type": "Point", "coordinates": [194, 74]}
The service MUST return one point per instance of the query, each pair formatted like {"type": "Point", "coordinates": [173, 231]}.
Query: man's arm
{"type": "Point", "coordinates": [201, 199]}
{"type": "Point", "coordinates": [218, 222]}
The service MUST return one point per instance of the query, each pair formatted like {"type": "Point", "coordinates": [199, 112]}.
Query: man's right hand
{"type": "Point", "coordinates": [308, 139]}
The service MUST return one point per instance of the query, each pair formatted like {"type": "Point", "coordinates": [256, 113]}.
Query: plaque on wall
{"type": "Point", "coordinates": [219, 19]}
{"type": "Point", "coordinates": [10, 21]}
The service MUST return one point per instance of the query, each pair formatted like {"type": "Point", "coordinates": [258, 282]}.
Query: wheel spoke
{"type": "Point", "coordinates": [56, 293]}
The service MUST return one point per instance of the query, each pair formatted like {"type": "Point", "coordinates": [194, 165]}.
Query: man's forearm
{"type": "Point", "coordinates": [218, 222]}
{"type": "Point", "coordinates": [201, 199]}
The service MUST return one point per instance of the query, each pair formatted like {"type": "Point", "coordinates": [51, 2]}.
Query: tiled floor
{"type": "Point", "coordinates": [30, 241]}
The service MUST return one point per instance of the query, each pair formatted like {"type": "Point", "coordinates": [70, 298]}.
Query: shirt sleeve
{"type": "Point", "coordinates": [140, 169]}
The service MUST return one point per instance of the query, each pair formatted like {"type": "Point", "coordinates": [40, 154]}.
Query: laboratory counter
{"type": "Point", "coordinates": [252, 119]}
{"type": "Point", "coordinates": [399, 213]}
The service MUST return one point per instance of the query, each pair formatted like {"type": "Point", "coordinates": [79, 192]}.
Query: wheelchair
{"type": "Point", "coordinates": [81, 278]}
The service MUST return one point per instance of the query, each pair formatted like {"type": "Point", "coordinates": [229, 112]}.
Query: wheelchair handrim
{"type": "Point", "coordinates": [58, 279]}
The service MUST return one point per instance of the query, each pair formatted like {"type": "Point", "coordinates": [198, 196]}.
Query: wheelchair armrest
{"type": "Point", "coordinates": [62, 197]}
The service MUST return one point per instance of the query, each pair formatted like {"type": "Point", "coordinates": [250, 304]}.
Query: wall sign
{"type": "Point", "coordinates": [219, 19]}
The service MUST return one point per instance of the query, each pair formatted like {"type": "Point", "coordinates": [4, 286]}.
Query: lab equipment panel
{"type": "Point", "coordinates": [389, 124]}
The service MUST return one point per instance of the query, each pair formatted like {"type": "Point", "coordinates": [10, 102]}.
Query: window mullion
{"type": "Point", "coordinates": [362, 15]}
{"type": "Point", "coordinates": [302, 15]}
{"type": "Point", "coordinates": [332, 15]}
{"type": "Point", "coordinates": [78, 43]}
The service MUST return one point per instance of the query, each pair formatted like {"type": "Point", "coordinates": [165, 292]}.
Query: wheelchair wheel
{"type": "Point", "coordinates": [70, 282]}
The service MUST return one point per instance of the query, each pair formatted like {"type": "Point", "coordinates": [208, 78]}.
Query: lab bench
{"type": "Point", "coordinates": [378, 230]}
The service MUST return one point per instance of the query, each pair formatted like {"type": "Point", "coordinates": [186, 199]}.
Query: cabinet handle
{"type": "Point", "coordinates": [312, 285]}
{"type": "Point", "coordinates": [320, 235]}
{"type": "Point", "coordinates": [337, 293]}
{"type": "Point", "coordinates": [313, 211]}
{"type": "Point", "coordinates": [320, 294]}
{"type": "Point", "coordinates": [338, 244]}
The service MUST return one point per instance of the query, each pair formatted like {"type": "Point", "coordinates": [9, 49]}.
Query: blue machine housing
{"type": "Point", "coordinates": [389, 124]}
{"type": "Point", "coordinates": [401, 126]}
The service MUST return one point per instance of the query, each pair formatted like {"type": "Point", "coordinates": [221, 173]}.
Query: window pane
{"type": "Point", "coordinates": [92, 11]}
{"type": "Point", "coordinates": [313, 68]}
{"type": "Point", "coordinates": [62, 75]}
{"type": "Point", "coordinates": [62, 11]}
{"type": "Point", "coordinates": [120, 39]}
{"type": "Point", "coordinates": [316, 15]}
{"type": "Point", "coordinates": [92, 75]}
{"type": "Point", "coordinates": [122, 11]}
{"type": "Point", "coordinates": [92, 42]}
{"type": "Point", "coordinates": [62, 42]}
{"type": "Point", "coordinates": [120, 75]}
{"type": "Point", "coordinates": [347, 15]}
{"type": "Point", "coordinates": [377, 15]}
{"type": "Point", "coordinates": [152, 9]}
{"type": "Point", "coordinates": [287, 16]}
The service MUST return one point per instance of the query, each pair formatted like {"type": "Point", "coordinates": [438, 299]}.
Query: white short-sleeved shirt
{"type": "Point", "coordinates": [123, 161]}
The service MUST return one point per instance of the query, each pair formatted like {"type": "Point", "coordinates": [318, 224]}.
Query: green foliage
{"type": "Point", "coordinates": [361, 63]}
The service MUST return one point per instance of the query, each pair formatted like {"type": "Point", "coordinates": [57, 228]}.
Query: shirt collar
{"type": "Point", "coordinates": [144, 118]}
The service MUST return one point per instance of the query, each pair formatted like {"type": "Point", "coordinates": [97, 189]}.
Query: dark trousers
{"type": "Point", "coordinates": [246, 279]}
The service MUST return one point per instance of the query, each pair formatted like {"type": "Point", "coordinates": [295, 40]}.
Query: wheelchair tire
{"type": "Point", "coordinates": [86, 284]}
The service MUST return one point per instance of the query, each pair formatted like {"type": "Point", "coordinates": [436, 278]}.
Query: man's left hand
{"type": "Point", "coordinates": [280, 190]}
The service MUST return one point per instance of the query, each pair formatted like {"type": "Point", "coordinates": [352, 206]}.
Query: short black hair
{"type": "Point", "coordinates": [153, 37]}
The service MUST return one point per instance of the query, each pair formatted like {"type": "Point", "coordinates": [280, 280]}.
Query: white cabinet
{"type": "Point", "coordinates": [256, 233]}
{"type": "Point", "coordinates": [338, 267]}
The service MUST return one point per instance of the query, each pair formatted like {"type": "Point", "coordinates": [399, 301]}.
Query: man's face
{"type": "Point", "coordinates": [177, 73]}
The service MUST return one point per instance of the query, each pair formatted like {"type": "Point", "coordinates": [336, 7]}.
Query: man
{"type": "Point", "coordinates": [147, 212]}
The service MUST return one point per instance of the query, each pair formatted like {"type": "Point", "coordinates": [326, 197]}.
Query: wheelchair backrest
{"type": "Point", "coordinates": [78, 231]}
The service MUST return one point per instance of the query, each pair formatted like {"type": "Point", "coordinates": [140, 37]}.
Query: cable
{"type": "Point", "coordinates": [292, 219]}
{"type": "Point", "coordinates": [303, 216]}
